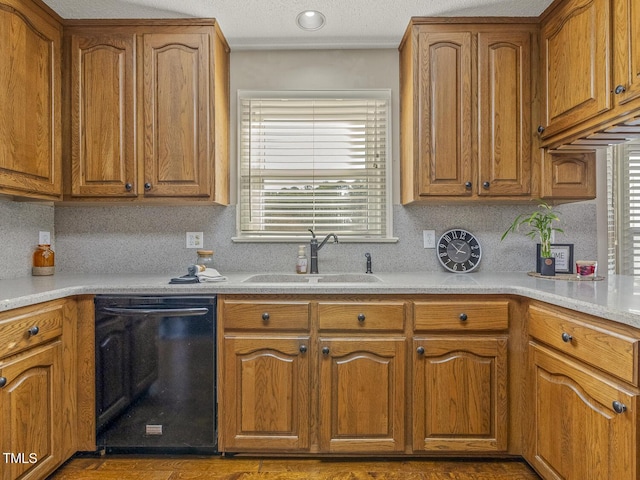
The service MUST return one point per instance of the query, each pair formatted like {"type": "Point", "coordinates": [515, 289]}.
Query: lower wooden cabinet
{"type": "Point", "coordinates": [460, 394]}
{"type": "Point", "coordinates": [362, 395]}
{"type": "Point", "coordinates": [30, 404]}
{"type": "Point", "coordinates": [585, 425]}
{"type": "Point", "coordinates": [40, 392]}
{"type": "Point", "coordinates": [266, 390]}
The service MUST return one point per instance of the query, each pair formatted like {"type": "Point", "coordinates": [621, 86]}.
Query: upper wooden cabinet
{"type": "Point", "coordinates": [149, 108]}
{"type": "Point", "coordinates": [569, 174]}
{"type": "Point", "coordinates": [590, 73]}
{"type": "Point", "coordinates": [626, 61]}
{"type": "Point", "coordinates": [30, 118]}
{"type": "Point", "coordinates": [575, 51]}
{"type": "Point", "coordinates": [466, 103]}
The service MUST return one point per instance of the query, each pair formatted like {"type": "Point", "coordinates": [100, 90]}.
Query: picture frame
{"type": "Point", "coordinates": [563, 253]}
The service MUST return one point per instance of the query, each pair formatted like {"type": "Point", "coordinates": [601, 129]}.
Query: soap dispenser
{"type": "Point", "coordinates": [301, 263]}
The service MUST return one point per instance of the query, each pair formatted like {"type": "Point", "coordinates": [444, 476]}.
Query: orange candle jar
{"type": "Point", "coordinates": [43, 261]}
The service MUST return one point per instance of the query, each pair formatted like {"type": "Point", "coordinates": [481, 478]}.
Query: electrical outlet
{"type": "Point", "coordinates": [44, 238]}
{"type": "Point", "coordinates": [429, 237]}
{"type": "Point", "coordinates": [195, 239]}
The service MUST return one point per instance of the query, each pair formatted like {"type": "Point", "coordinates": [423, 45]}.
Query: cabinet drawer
{"type": "Point", "coordinates": [464, 315]}
{"type": "Point", "coordinates": [388, 316]}
{"type": "Point", "coordinates": [246, 315]}
{"type": "Point", "coordinates": [26, 327]}
{"type": "Point", "coordinates": [614, 352]}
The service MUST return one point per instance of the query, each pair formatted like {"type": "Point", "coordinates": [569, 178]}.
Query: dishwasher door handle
{"type": "Point", "coordinates": [156, 312]}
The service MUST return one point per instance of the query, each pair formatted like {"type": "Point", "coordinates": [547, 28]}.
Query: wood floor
{"type": "Point", "coordinates": [219, 468]}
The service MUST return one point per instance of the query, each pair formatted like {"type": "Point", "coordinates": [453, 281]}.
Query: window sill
{"type": "Point", "coordinates": [297, 240]}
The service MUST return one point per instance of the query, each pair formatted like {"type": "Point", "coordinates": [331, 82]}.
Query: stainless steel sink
{"type": "Point", "coordinates": [319, 278]}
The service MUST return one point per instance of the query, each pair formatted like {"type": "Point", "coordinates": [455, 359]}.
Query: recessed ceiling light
{"type": "Point", "coordinates": [310, 20]}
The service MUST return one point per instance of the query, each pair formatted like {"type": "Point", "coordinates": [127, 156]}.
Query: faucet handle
{"type": "Point", "coordinates": [313, 235]}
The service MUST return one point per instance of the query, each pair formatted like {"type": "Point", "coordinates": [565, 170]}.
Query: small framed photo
{"type": "Point", "coordinates": [563, 253]}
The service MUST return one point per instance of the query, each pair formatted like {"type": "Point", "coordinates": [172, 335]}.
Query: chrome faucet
{"type": "Point", "coordinates": [315, 247]}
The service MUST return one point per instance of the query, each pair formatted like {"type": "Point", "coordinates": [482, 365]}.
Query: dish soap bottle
{"type": "Point", "coordinates": [301, 264]}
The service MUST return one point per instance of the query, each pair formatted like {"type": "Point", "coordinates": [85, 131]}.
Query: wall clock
{"type": "Point", "coordinates": [459, 251]}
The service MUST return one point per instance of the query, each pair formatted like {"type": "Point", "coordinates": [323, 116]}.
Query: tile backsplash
{"type": "Point", "coordinates": [151, 239]}
{"type": "Point", "coordinates": [20, 223]}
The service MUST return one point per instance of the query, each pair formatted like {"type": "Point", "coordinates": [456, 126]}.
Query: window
{"type": "Point", "coordinates": [316, 160]}
{"type": "Point", "coordinates": [623, 179]}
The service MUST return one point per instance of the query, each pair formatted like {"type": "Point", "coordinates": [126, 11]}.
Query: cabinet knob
{"type": "Point", "coordinates": [620, 89]}
{"type": "Point", "coordinates": [325, 350]}
{"type": "Point", "coordinates": [463, 317]}
{"type": "Point", "coordinates": [540, 129]}
{"type": "Point", "coordinates": [303, 349]}
{"type": "Point", "coordinates": [361, 317]}
{"type": "Point", "coordinates": [128, 187]}
{"type": "Point", "coordinates": [566, 338]}
{"type": "Point", "coordinates": [486, 185]}
{"type": "Point", "coordinates": [3, 381]}
{"type": "Point", "coordinates": [619, 407]}
{"type": "Point", "coordinates": [468, 185]}
{"type": "Point", "coordinates": [147, 186]}
{"type": "Point", "coordinates": [420, 350]}
{"type": "Point", "coordinates": [33, 331]}
{"type": "Point", "coordinates": [266, 316]}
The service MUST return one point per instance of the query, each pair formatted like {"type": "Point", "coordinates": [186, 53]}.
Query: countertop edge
{"type": "Point", "coordinates": [602, 299]}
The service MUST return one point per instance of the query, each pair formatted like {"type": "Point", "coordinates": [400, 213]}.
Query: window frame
{"type": "Point", "coordinates": [304, 235]}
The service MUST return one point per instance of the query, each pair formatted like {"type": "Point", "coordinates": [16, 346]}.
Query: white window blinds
{"type": "Point", "coordinates": [624, 208]}
{"type": "Point", "coordinates": [314, 160]}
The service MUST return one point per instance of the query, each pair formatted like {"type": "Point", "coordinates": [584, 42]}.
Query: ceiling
{"type": "Point", "coordinates": [270, 24]}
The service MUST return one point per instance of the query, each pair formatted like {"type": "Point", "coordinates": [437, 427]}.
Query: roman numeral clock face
{"type": "Point", "coordinates": [459, 251]}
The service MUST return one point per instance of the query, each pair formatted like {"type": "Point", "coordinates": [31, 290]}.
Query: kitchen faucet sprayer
{"type": "Point", "coordinates": [315, 247]}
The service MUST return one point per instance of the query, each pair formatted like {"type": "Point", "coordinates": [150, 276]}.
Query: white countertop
{"type": "Point", "coordinates": [616, 298]}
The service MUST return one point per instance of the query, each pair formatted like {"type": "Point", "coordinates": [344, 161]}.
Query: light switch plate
{"type": "Point", "coordinates": [195, 239]}
{"type": "Point", "coordinates": [429, 237]}
{"type": "Point", "coordinates": [44, 238]}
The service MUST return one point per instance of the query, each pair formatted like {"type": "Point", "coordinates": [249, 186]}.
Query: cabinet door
{"type": "Point", "coordinates": [112, 370]}
{"type": "Point", "coordinates": [626, 79]}
{"type": "Point", "coordinates": [578, 433]}
{"type": "Point", "coordinates": [504, 100]}
{"type": "Point", "coordinates": [460, 394]}
{"type": "Point", "coordinates": [575, 63]}
{"type": "Point", "coordinates": [30, 149]}
{"type": "Point", "coordinates": [265, 394]}
{"type": "Point", "coordinates": [178, 151]}
{"type": "Point", "coordinates": [445, 113]}
{"type": "Point", "coordinates": [103, 143]}
{"type": "Point", "coordinates": [30, 406]}
{"type": "Point", "coordinates": [362, 388]}
{"type": "Point", "coordinates": [569, 174]}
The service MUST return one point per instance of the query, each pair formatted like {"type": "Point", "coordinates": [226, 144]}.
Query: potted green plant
{"type": "Point", "coordinates": [540, 224]}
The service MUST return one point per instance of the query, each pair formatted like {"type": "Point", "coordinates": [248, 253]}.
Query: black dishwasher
{"type": "Point", "coordinates": [156, 374]}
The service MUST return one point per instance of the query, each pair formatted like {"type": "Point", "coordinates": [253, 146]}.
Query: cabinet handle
{"type": "Point", "coordinates": [463, 317]}
{"type": "Point", "coordinates": [33, 331]}
{"type": "Point", "coordinates": [128, 187]}
{"type": "Point", "coordinates": [566, 338]}
{"type": "Point", "coordinates": [147, 186]}
{"type": "Point", "coordinates": [266, 316]}
{"type": "Point", "coordinates": [620, 89]}
{"type": "Point", "coordinates": [3, 381]}
{"type": "Point", "coordinates": [420, 350]}
{"type": "Point", "coordinates": [325, 350]}
{"type": "Point", "coordinates": [486, 185]}
{"type": "Point", "coordinates": [468, 185]}
{"type": "Point", "coordinates": [540, 129]}
{"type": "Point", "coordinates": [361, 317]}
{"type": "Point", "coordinates": [619, 407]}
{"type": "Point", "coordinates": [303, 349]}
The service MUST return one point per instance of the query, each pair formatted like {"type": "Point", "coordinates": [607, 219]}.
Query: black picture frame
{"type": "Point", "coordinates": [563, 253]}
